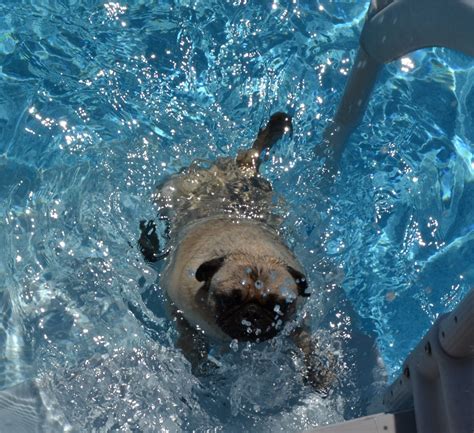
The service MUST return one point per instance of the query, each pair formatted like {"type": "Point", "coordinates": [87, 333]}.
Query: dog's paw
{"type": "Point", "coordinates": [320, 373]}
{"type": "Point", "coordinates": [148, 242]}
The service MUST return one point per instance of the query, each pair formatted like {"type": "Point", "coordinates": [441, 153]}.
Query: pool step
{"type": "Point", "coordinates": [403, 422]}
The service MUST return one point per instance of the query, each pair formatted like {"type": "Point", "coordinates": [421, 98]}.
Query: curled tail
{"type": "Point", "coordinates": [277, 126]}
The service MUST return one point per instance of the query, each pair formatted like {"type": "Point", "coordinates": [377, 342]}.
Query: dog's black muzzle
{"type": "Point", "coordinates": [250, 322]}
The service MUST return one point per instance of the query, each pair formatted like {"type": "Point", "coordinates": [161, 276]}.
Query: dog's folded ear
{"type": "Point", "coordinates": [300, 280]}
{"type": "Point", "coordinates": [207, 270]}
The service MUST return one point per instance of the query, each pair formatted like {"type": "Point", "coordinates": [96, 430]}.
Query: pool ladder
{"type": "Point", "coordinates": [435, 392]}
{"type": "Point", "coordinates": [394, 28]}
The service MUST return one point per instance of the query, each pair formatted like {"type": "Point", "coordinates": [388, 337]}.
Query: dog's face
{"type": "Point", "coordinates": [250, 299]}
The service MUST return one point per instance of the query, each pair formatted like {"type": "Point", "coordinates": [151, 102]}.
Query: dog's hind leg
{"type": "Point", "coordinates": [277, 126]}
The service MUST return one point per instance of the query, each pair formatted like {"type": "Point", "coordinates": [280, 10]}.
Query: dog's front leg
{"type": "Point", "coordinates": [193, 344]}
{"type": "Point", "coordinates": [320, 364]}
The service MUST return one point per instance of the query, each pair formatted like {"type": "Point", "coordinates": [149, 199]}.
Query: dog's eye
{"type": "Point", "coordinates": [229, 300]}
{"type": "Point", "coordinates": [300, 280]}
{"type": "Point", "coordinates": [236, 295]}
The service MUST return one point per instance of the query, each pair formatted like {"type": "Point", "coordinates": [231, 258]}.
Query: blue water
{"type": "Point", "coordinates": [99, 101]}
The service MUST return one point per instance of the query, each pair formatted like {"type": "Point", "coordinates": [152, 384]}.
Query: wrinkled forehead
{"type": "Point", "coordinates": [262, 276]}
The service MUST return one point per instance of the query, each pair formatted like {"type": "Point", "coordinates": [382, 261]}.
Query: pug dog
{"type": "Point", "coordinates": [228, 274]}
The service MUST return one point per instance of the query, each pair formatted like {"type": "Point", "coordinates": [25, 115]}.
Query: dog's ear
{"type": "Point", "coordinates": [300, 280]}
{"type": "Point", "coordinates": [207, 270]}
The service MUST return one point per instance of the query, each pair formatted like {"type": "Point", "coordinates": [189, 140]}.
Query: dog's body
{"type": "Point", "coordinates": [229, 275]}
{"type": "Point", "coordinates": [246, 244]}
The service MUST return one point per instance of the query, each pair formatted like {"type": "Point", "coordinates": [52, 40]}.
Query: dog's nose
{"type": "Point", "coordinates": [251, 322]}
{"type": "Point", "coordinates": [255, 313]}
{"type": "Point", "coordinates": [255, 319]}
{"type": "Point", "coordinates": [253, 309]}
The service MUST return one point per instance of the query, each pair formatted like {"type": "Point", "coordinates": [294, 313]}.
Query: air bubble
{"type": "Point", "coordinates": [234, 345]}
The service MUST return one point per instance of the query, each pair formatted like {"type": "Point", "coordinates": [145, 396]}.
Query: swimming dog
{"type": "Point", "coordinates": [229, 275]}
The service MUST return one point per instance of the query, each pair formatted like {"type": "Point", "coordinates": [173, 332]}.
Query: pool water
{"type": "Point", "coordinates": [100, 101]}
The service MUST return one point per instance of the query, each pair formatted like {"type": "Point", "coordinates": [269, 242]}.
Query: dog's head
{"type": "Point", "coordinates": [251, 299]}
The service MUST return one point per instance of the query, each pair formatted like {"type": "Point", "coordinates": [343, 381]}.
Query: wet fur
{"type": "Point", "coordinates": [227, 261]}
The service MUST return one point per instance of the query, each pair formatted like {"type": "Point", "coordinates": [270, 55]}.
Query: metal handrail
{"type": "Point", "coordinates": [392, 29]}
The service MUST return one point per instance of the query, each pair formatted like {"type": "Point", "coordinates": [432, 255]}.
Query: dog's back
{"type": "Point", "coordinates": [223, 188]}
